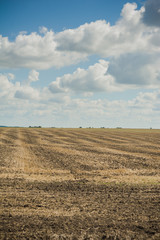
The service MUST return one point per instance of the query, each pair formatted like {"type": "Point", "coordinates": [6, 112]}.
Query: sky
{"type": "Point", "coordinates": [89, 63]}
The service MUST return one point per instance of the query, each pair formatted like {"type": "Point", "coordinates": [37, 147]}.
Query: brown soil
{"type": "Point", "coordinates": [79, 184]}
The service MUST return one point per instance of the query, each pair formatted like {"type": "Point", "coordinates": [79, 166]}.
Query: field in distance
{"type": "Point", "coordinates": [79, 183]}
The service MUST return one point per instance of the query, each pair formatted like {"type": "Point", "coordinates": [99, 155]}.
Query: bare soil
{"type": "Point", "coordinates": [79, 183]}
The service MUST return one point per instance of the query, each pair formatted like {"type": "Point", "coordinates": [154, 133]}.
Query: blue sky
{"type": "Point", "coordinates": [21, 15]}
{"type": "Point", "coordinates": [80, 63]}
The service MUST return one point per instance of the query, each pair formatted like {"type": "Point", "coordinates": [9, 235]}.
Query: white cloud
{"type": "Point", "coordinates": [140, 69]}
{"type": "Point", "coordinates": [141, 111]}
{"type": "Point", "coordinates": [11, 76]}
{"type": "Point", "coordinates": [27, 92]}
{"type": "Point", "coordinates": [93, 79]}
{"type": "Point", "coordinates": [132, 50]}
{"type": "Point", "coordinates": [10, 91]}
{"type": "Point", "coordinates": [99, 37]}
{"type": "Point", "coordinates": [33, 76]}
{"type": "Point", "coordinates": [35, 51]}
{"type": "Point", "coordinates": [146, 104]}
{"type": "Point", "coordinates": [47, 49]}
{"type": "Point", "coordinates": [4, 82]}
{"type": "Point", "coordinates": [43, 30]}
{"type": "Point", "coordinates": [62, 110]}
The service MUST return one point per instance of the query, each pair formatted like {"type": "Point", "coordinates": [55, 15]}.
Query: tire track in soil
{"type": "Point", "coordinates": [7, 148]}
{"type": "Point", "coordinates": [61, 155]}
{"type": "Point", "coordinates": [7, 136]}
{"type": "Point", "coordinates": [77, 138]}
{"type": "Point", "coordinates": [135, 150]}
{"type": "Point", "coordinates": [112, 143]}
{"type": "Point", "coordinates": [88, 159]}
{"type": "Point", "coordinates": [33, 155]}
{"type": "Point", "coordinates": [33, 162]}
{"type": "Point", "coordinates": [121, 137]}
{"type": "Point", "coordinates": [91, 150]}
{"type": "Point", "coordinates": [72, 209]}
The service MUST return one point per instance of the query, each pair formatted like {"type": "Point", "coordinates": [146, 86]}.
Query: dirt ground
{"type": "Point", "coordinates": [79, 183]}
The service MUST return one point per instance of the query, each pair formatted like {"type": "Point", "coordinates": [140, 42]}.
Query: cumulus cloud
{"type": "Point", "coordinates": [147, 102]}
{"type": "Point", "coordinates": [27, 92]}
{"type": "Point", "coordinates": [24, 91]}
{"type": "Point", "coordinates": [93, 79]}
{"type": "Point", "coordinates": [33, 76]}
{"type": "Point", "coordinates": [35, 51]}
{"type": "Point", "coordinates": [43, 30]}
{"type": "Point", "coordinates": [10, 90]}
{"type": "Point", "coordinates": [18, 100]}
{"type": "Point", "coordinates": [11, 76]}
{"type": "Point", "coordinates": [48, 49]}
{"type": "Point", "coordinates": [131, 48]}
{"type": "Point", "coordinates": [141, 69]}
{"type": "Point", "coordinates": [4, 82]}
{"type": "Point", "coordinates": [99, 37]}
{"type": "Point", "coordinates": [151, 16]}
{"type": "Point", "coordinates": [140, 111]}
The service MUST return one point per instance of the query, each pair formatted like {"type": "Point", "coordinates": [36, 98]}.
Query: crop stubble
{"type": "Point", "coordinates": [79, 183]}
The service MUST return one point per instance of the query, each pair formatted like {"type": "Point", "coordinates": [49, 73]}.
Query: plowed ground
{"type": "Point", "coordinates": [79, 183]}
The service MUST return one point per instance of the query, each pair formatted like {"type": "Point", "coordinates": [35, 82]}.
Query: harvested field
{"type": "Point", "coordinates": [79, 183]}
